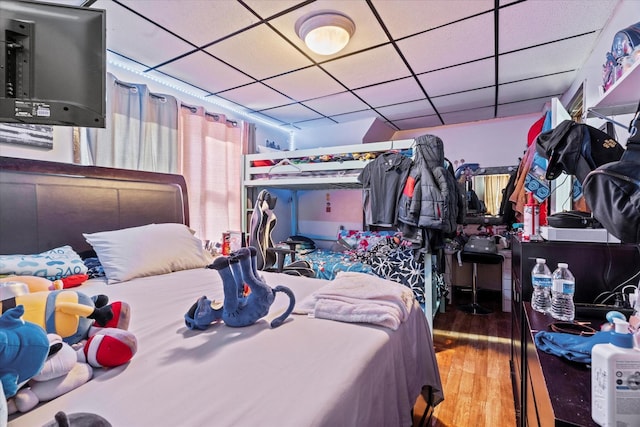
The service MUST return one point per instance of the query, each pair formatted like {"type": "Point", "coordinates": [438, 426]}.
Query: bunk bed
{"type": "Point", "coordinates": [326, 168]}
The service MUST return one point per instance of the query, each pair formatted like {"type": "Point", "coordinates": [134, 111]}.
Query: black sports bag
{"type": "Point", "coordinates": [612, 191]}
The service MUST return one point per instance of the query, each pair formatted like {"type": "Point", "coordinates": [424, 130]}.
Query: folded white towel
{"type": "Point", "coordinates": [360, 297]}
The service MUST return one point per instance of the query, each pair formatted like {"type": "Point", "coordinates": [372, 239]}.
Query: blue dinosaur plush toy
{"type": "Point", "coordinates": [238, 309]}
{"type": "Point", "coordinates": [24, 347]}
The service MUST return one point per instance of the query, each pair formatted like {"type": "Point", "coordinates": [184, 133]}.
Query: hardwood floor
{"type": "Point", "coordinates": [473, 359]}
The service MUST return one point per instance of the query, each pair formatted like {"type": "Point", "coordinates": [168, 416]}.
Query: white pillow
{"type": "Point", "coordinates": [147, 250]}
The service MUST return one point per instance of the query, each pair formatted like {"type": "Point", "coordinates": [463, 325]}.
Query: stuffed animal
{"type": "Point", "coordinates": [61, 373]}
{"type": "Point", "coordinates": [23, 350]}
{"type": "Point", "coordinates": [67, 368]}
{"type": "Point", "coordinates": [67, 313]}
{"type": "Point", "coordinates": [37, 284]}
{"type": "Point", "coordinates": [238, 310]}
{"type": "Point", "coordinates": [108, 348]}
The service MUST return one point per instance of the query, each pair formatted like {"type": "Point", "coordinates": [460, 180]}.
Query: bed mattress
{"type": "Point", "coordinates": [307, 372]}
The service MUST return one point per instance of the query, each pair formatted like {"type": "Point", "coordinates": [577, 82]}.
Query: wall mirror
{"type": "Point", "coordinates": [483, 190]}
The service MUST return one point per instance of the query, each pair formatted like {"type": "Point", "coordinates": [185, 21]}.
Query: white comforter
{"type": "Point", "coordinates": [308, 372]}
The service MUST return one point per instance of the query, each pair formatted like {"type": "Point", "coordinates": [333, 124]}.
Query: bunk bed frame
{"type": "Point", "coordinates": [325, 168]}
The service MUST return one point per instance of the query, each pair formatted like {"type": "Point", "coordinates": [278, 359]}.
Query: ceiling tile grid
{"type": "Point", "coordinates": [405, 58]}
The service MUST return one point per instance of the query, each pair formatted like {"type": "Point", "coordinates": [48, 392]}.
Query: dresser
{"type": "Point", "coordinates": [548, 390]}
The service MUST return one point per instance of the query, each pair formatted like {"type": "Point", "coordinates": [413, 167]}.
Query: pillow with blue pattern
{"type": "Point", "coordinates": [54, 264]}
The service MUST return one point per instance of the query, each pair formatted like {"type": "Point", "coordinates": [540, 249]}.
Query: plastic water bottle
{"type": "Point", "coordinates": [541, 281]}
{"type": "Point", "coordinates": [563, 288]}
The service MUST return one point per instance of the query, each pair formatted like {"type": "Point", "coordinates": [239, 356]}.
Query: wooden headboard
{"type": "Point", "coordinates": [44, 205]}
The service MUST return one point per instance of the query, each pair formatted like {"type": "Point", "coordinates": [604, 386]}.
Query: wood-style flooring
{"type": "Point", "coordinates": [473, 359]}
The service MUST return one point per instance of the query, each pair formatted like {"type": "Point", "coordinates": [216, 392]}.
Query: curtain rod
{"type": "Point", "coordinates": [215, 117]}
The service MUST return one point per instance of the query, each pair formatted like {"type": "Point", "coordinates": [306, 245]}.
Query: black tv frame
{"type": "Point", "coordinates": [52, 64]}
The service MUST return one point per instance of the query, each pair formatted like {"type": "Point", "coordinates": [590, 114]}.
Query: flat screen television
{"type": "Point", "coordinates": [52, 64]}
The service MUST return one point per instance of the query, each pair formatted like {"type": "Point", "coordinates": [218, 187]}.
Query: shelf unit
{"type": "Point", "coordinates": [621, 98]}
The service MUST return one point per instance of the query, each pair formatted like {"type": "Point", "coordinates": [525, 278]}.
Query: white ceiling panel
{"type": "Point", "coordinates": [259, 52]}
{"type": "Point", "coordinates": [297, 86]}
{"type": "Point", "coordinates": [192, 19]}
{"type": "Point", "coordinates": [292, 113]}
{"type": "Point", "coordinates": [337, 104]}
{"type": "Point", "coordinates": [131, 36]}
{"type": "Point", "coordinates": [407, 17]}
{"type": "Point", "coordinates": [406, 110]}
{"type": "Point", "coordinates": [553, 85]}
{"type": "Point", "coordinates": [198, 69]}
{"type": "Point", "coordinates": [367, 68]}
{"type": "Point", "coordinates": [562, 56]}
{"type": "Point", "coordinates": [248, 53]}
{"type": "Point", "coordinates": [463, 77]}
{"type": "Point", "coordinates": [534, 22]}
{"type": "Point", "coordinates": [523, 107]}
{"type": "Point", "coordinates": [256, 96]}
{"type": "Point", "coordinates": [394, 92]}
{"type": "Point", "coordinates": [471, 39]}
{"type": "Point", "coordinates": [473, 114]}
{"type": "Point", "coordinates": [464, 100]}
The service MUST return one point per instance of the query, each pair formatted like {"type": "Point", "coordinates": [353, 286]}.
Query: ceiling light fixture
{"type": "Point", "coordinates": [325, 33]}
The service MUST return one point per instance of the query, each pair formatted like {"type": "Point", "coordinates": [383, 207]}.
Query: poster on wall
{"type": "Point", "coordinates": [40, 136]}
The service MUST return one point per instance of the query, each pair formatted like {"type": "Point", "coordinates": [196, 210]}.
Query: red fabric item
{"type": "Point", "coordinates": [535, 130]}
{"type": "Point", "coordinates": [263, 163]}
{"type": "Point", "coordinates": [74, 280]}
{"type": "Point", "coordinates": [409, 186]}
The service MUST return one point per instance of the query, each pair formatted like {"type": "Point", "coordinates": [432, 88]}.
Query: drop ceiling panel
{"type": "Point", "coordinates": [534, 22]}
{"type": "Point", "coordinates": [464, 100]}
{"type": "Point", "coordinates": [463, 77]}
{"type": "Point", "coordinates": [337, 104]}
{"type": "Point", "coordinates": [566, 55]}
{"type": "Point", "coordinates": [198, 69]}
{"type": "Point", "coordinates": [292, 113]}
{"type": "Point", "coordinates": [470, 40]}
{"type": "Point", "coordinates": [131, 36]}
{"type": "Point", "coordinates": [553, 85]}
{"type": "Point", "coordinates": [192, 19]}
{"type": "Point", "coordinates": [316, 123]}
{"type": "Point", "coordinates": [407, 17]}
{"type": "Point", "coordinates": [406, 110]}
{"type": "Point", "coordinates": [470, 115]}
{"type": "Point", "coordinates": [368, 67]}
{"type": "Point", "coordinates": [297, 86]}
{"type": "Point", "coordinates": [259, 52]}
{"type": "Point", "coordinates": [256, 96]}
{"type": "Point", "coordinates": [395, 92]}
{"type": "Point", "coordinates": [523, 107]}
